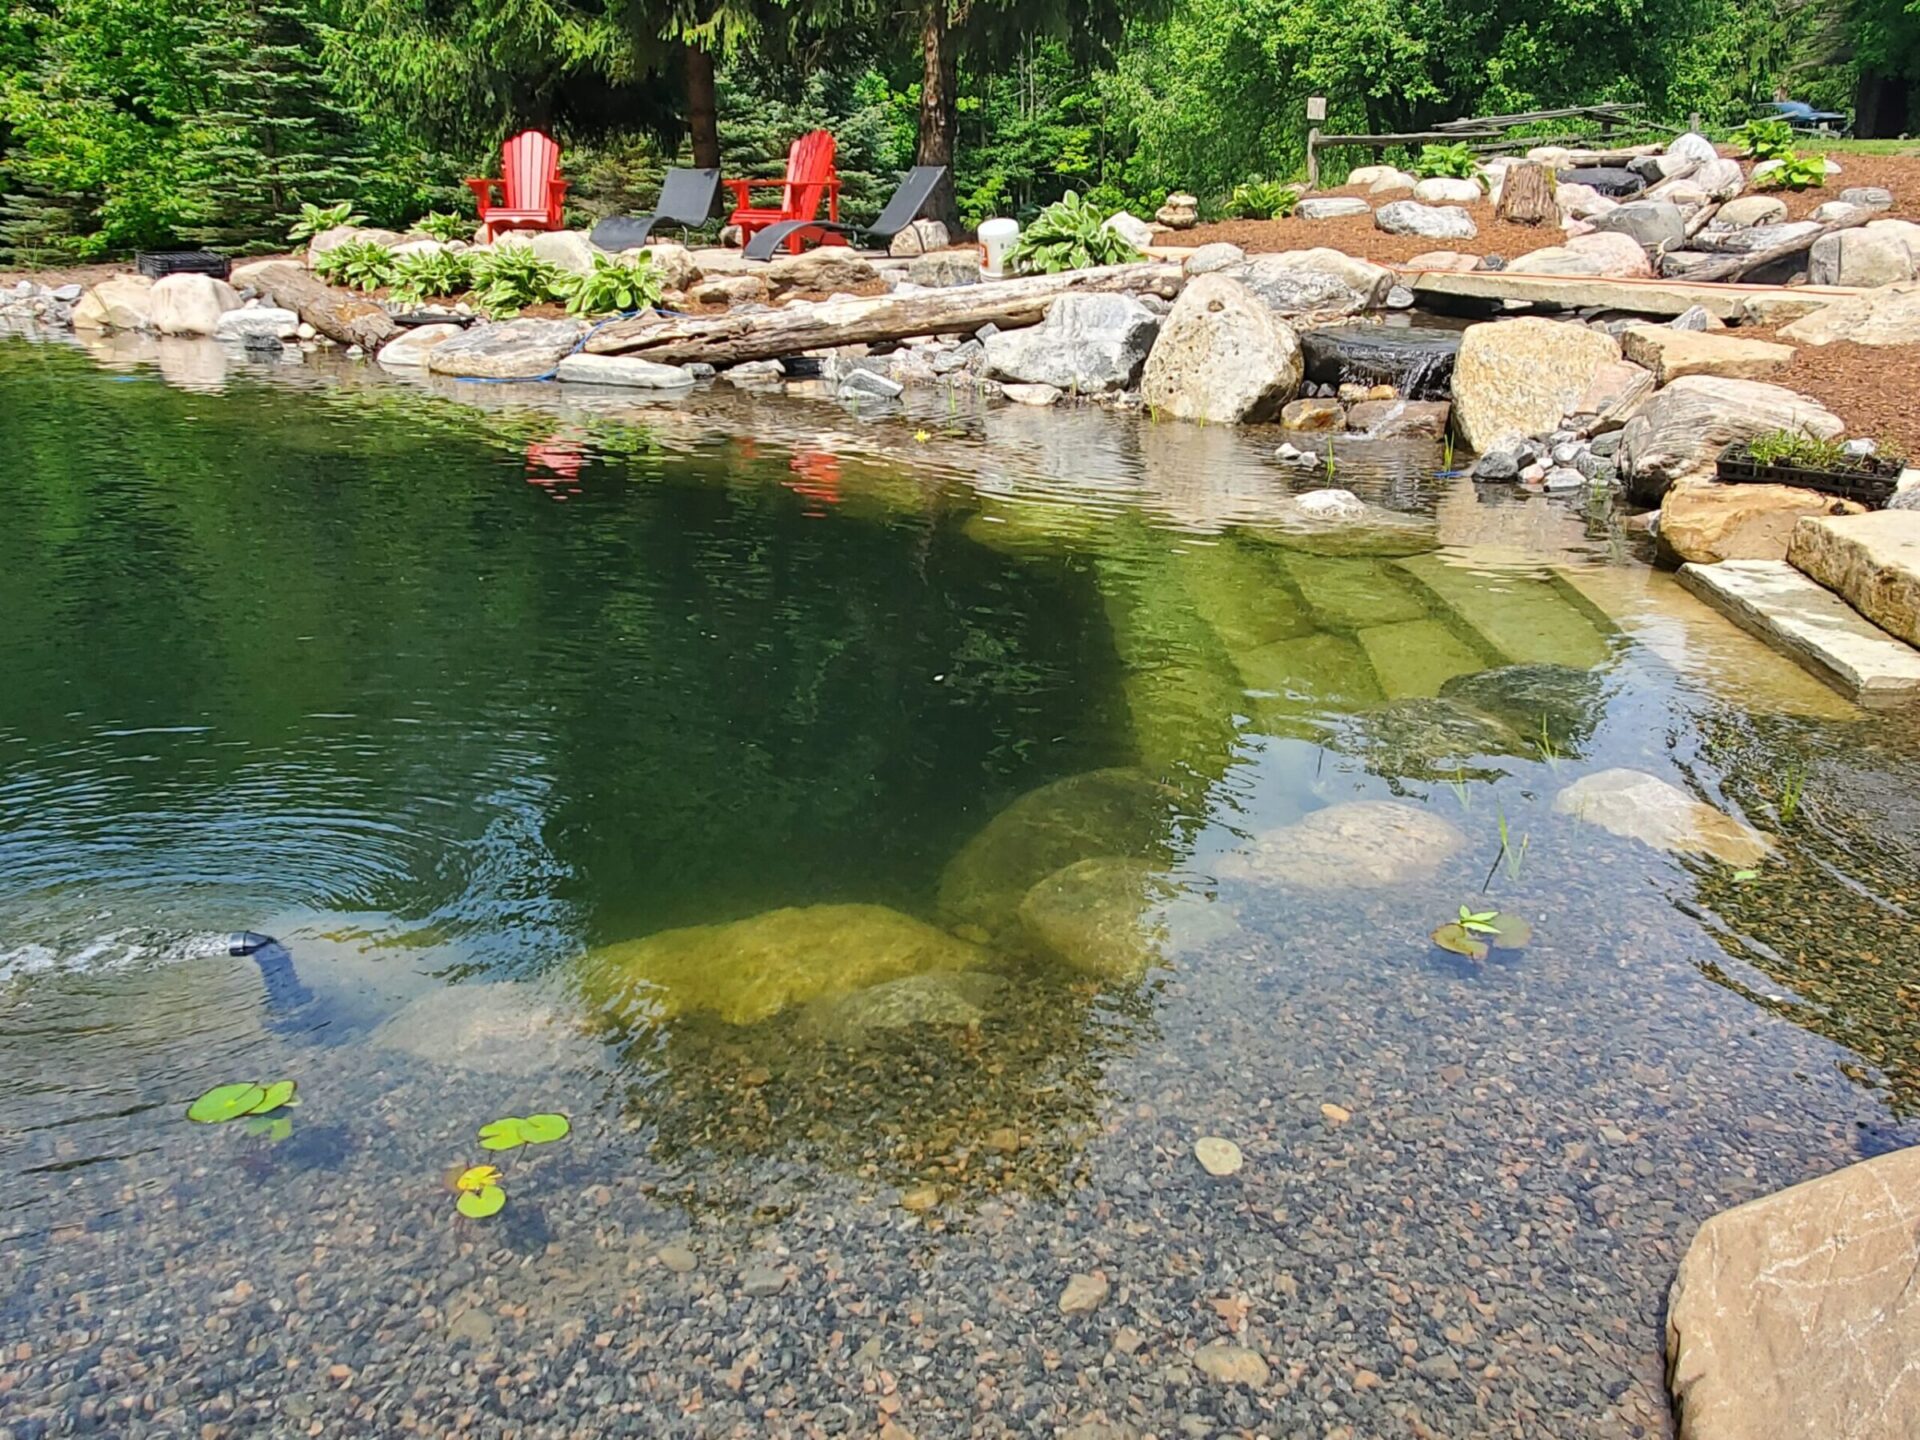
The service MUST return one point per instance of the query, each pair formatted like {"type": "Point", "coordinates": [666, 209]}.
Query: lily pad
{"type": "Point", "coordinates": [476, 1177]}
{"type": "Point", "coordinates": [479, 1204]}
{"type": "Point", "coordinates": [1456, 937]}
{"type": "Point", "coordinates": [272, 1128]}
{"type": "Point", "coordinates": [502, 1134]}
{"type": "Point", "coordinates": [1509, 932]}
{"type": "Point", "coordinates": [543, 1129]}
{"type": "Point", "coordinates": [226, 1102]}
{"type": "Point", "coordinates": [279, 1093]}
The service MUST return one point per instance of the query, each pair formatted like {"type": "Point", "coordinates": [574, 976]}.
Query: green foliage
{"type": "Point", "coordinates": [1068, 235]}
{"type": "Point", "coordinates": [479, 1191]}
{"type": "Point", "coordinates": [1794, 172]}
{"type": "Point", "coordinates": [443, 226]}
{"type": "Point", "coordinates": [240, 1100]}
{"type": "Point", "coordinates": [421, 275]}
{"type": "Point", "coordinates": [1794, 447]}
{"type": "Point", "coordinates": [613, 285]}
{"type": "Point", "coordinates": [1765, 139]}
{"type": "Point", "coordinates": [316, 218]}
{"type": "Point", "coordinates": [358, 265]}
{"type": "Point", "coordinates": [1454, 162]}
{"type": "Point", "coordinates": [1262, 200]}
{"type": "Point", "coordinates": [515, 1131]}
{"type": "Point", "coordinates": [512, 277]}
{"type": "Point", "coordinates": [1474, 931]}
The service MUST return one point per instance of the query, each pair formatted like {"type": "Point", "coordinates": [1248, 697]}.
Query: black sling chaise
{"type": "Point", "coordinates": [686, 198]}
{"type": "Point", "coordinates": [901, 211]}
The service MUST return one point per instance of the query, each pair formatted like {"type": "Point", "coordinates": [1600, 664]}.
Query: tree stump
{"type": "Point", "coordinates": [1526, 195]}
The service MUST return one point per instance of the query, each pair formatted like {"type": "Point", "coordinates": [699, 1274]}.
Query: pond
{"type": "Point", "coordinates": [893, 841]}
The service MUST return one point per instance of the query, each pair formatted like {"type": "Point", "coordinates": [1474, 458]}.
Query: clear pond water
{"type": "Point", "coordinates": [893, 841]}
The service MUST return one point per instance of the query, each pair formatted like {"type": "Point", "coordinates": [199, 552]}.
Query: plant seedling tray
{"type": "Point", "coordinates": [1870, 487]}
{"type": "Point", "coordinates": [156, 264]}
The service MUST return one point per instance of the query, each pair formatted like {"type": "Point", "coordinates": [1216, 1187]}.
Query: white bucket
{"type": "Point", "coordinates": [996, 238]}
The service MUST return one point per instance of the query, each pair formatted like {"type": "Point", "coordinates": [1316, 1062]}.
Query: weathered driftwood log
{"type": "Point", "coordinates": [1526, 195]}
{"type": "Point", "coordinates": [337, 314]}
{"type": "Point", "coordinates": [769, 334]}
{"type": "Point", "coordinates": [1739, 265]}
{"type": "Point", "coordinates": [1702, 218]}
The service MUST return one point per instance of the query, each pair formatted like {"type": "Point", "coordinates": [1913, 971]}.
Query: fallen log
{"type": "Point", "coordinates": [1741, 265]}
{"type": "Point", "coordinates": [733, 339]}
{"type": "Point", "coordinates": [337, 314]}
{"type": "Point", "coordinates": [1703, 218]}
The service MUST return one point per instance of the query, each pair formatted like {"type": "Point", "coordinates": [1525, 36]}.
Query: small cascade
{"type": "Point", "coordinates": [1417, 360]}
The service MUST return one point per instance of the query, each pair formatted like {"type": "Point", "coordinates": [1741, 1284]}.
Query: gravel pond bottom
{"type": "Point", "coordinates": [509, 685]}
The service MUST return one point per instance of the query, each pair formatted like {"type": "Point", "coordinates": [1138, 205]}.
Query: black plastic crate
{"type": "Point", "coordinates": [1737, 467]}
{"type": "Point", "coordinates": [154, 264]}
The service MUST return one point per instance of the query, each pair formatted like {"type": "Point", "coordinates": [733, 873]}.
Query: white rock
{"type": "Point", "coordinates": [1860, 257]}
{"type": "Point", "coordinates": [1446, 190]}
{"type": "Point", "coordinates": [627, 371]}
{"type": "Point", "coordinates": [191, 304]}
{"type": "Point", "coordinates": [1223, 356]}
{"type": "Point", "coordinates": [1088, 344]}
{"type": "Point", "coordinates": [1751, 210]}
{"type": "Point", "coordinates": [919, 238]}
{"type": "Point", "coordinates": [1216, 256]}
{"type": "Point", "coordinates": [1643, 807]}
{"type": "Point", "coordinates": [409, 349]}
{"type": "Point", "coordinates": [1692, 146]}
{"type": "Point", "coordinates": [1031, 394]}
{"type": "Point", "coordinates": [1341, 504]}
{"type": "Point", "coordinates": [1409, 217]}
{"type": "Point", "coordinates": [122, 302]}
{"type": "Point", "coordinates": [257, 320]}
{"type": "Point", "coordinates": [1130, 228]}
{"type": "Point", "coordinates": [570, 250]}
{"type": "Point", "coordinates": [1331, 207]}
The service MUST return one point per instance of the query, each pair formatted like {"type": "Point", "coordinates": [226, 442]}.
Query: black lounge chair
{"type": "Point", "coordinates": [909, 198]}
{"type": "Point", "coordinates": [686, 199]}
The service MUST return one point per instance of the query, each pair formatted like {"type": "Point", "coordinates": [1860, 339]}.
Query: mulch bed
{"type": "Point", "coordinates": [1874, 388]}
{"type": "Point", "coordinates": [1356, 235]}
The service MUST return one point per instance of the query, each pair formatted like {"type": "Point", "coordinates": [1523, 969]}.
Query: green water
{"type": "Point", "coordinates": [820, 806]}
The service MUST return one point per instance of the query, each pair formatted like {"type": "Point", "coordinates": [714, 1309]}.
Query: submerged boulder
{"type": "Point", "coordinates": [497, 1029]}
{"type": "Point", "coordinates": [1423, 739]}
{"type": "Point", "coordinates": [1561, 702]}
{"type": "Point", "coordinates": [1363, 844]}
{"type": "Point", "coordinates": [1116, 812]}
{"type": "Point", "coordinates": [1643, 807]}
{"type": "Point", "coordinates": [1099, 917]}
{"type": "Point", "coordinates": [748, 970]}
{"type": "Point", "coordinates": [1223, 356]}
{"type": "Point", "coordinates": [950, 1000]}
{"type": "Point", "coordinates": [1088, 345]}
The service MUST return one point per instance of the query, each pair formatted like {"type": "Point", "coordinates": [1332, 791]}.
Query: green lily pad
{"type": "Point", "coordinates": [1509, 932]}
{"type": "Point", "coordinates": [225, 1102]}
{"type": "Point", "coordinates": [479, 1204]}
{"type": "Point", "coordinates": [1455, 937]}
{"type": "Point", "coordinates": [279, 1093]}
{"type": "Point", "coordinates": [272, 1128]}
{"type": "Point", "coordinates": [502, 1134]}
{"type": "Point", "coordinates": [543, 1129]}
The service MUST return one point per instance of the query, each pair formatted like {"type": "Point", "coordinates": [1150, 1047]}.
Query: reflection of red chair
{"type": "Point", "coordinates": [819, 476]}
{"type": "Point", "coordinates": [554, 465]}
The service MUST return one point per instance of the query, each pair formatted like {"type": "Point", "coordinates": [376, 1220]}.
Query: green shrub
{"type": "Point", "coordinates": [1262, 200]}
{"type": "Point", "coordinates": [358, 265]}
{"type": "Point", "coordinates": [1067, 235]}
{"type": "Point", "coordinates": [1453, 162]}
{"type": "Point", "coordinates": [1794, 172]}
{"type": "Point", "coordinates": [417, 276]}
{"type": "Point", "coordinates": [1765, 139]}
{"type": "Point", "coordinates": [315, 218]}
{"type": "Point", "coordinates": [443, 227]}
{"type": "Point", "coordinates": [613, 285]}
{"type": "Point", "coordinates": [512, 277]}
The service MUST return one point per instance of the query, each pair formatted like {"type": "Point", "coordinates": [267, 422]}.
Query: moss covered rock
{"type": "Point", "coordinates": [944, 1000]}
{"type": "Point", "coordinates": [1103, 917]}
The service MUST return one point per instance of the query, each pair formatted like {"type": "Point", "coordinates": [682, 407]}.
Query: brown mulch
{"type": "Point", "coordinates": [1356, 235]}
{"type": "Point", "coordinates": [1898, 173]}
{"type": "Point", "coordinates": [1874, 388]}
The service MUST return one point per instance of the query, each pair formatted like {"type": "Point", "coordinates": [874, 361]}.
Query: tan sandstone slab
{"type": "Point", "coordinates": [1871, 561]}
{"type": "Point", "coordinates": [1669, 354]}
{"type": "Point", "coordinates": [1771, 599]}
{"type": "Point", "coordinates": [1797, 1316]}
{"type": "Point", "coordinates": [1706, 522]}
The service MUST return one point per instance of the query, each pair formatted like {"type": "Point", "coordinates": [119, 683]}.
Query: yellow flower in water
{"type": "Point", "coordinates": [922, 436]}
{"type": "Point", "coordinates": [477, 1178]}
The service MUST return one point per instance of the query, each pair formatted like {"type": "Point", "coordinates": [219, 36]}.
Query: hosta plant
{"type": "Point", "coordinates": [1069, 235]}
{"type": "Point", "coordinates": [1262, 200]}
{"type": "Point", "coordinates": [442, 226]}
{"type": "Point", "coordinates": [512, 277]}
{"type": "Point", "coordinates": [358, 265]}
{"type": "Point", "coordinates": [1454, 162]}
{"type": "Point", "coordinates": [422, 274]}
{"type": "Point", "coordinates": [1793, 172]}
{"type": "Point", "coordinates": [315, 218]}
{"type": "Point", "coordinates": [1765, 139]}
{"type": "Point", "coordinates": [613, 285]}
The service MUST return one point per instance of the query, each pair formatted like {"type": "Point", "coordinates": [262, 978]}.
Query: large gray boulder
{"type": "Point", "coordinates": [1655, 224]}
{"type": "Point", "coordinates": [1797, 1316]}
{"type": "Point", "coordinates": [1218, 255]}
{"type": "Point", "coordinates": [1692, 147]}
{"type": "Point", "coordinates": [1859, 257]}
{"type": "Point", "coordinates": [1680, 432]}
{"type": "Point", "coordinates": [1517, 378]}
{"type": "Point", "coordinates": [1314, 282]}
{"type": "Point", "coordinates": [1431, 222]}
{"type": "Point", "coordinates": [510, 350]}
{"type": "Point", "coordinates": [1886, 316]}
{"type": "Point", "coordinates": [1223, 356]}
{"type": "Point", "coordinates": [1751, 210]}
{"type": "Point", "coordinates": [191, 304]}
{"type": "Point", "coordinates": [1088, 344]}
{"type": "Point", "coordinates": [410, 348]}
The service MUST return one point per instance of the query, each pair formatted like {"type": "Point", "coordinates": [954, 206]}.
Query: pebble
{"type": "Point", "coordinates": [762, 1280]}
{"type": "Point", "coordinates": [1084, 1294]}
{"type": "Point", "coordinates": [1231, 1365]}
{"type": "Point", "coordinates": [1217, 1156]}
{"type": "Point", "coordinates": [1335, 1114]}
{"type": "Point", "coordinates": [920, 1197]}
{"type": "Point", "coordinates": [677, 1258]}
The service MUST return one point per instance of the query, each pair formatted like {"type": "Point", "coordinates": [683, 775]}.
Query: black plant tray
{"type": "Point", "coordinates": [155, 264]}
{"type": "Point", "coordinates": [1870, 487]}
{"type": "Point", "coordinates": [427, 317]}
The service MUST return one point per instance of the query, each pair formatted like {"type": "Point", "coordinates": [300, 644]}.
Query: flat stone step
{"type": "Point", "coordinates": [1523, 620]}
{"type": "Point", "coordinates": [1416, 657]}
{"type": "Point", "coordinates": [1643, 297]}
{"type": "Point", "coordinates": [1871, 561]}
{"type": "Point", "coordinates": [1802, 619]}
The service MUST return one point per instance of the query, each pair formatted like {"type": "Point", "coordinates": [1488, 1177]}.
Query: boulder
{"type": "Point", "coordinates": [1216, 256]}
{"type": "Point", "coordinates": [342, 234]}
{"type": "Point", "coordinates": [1357, 845]}
{"type": "Point", "coordinates": [944, 1000]}
{"type": "Point", "coordinates": [730, 290]}
{"type": "Point", "coordinates": [830, 268]}
{"type": "Point", "coordinates": [1331, 207]}
{"type": "Point", "coordinates": [1388, 182]}
{"type": "Point", "coordinates": [1181, 212]}
{"type": "Point", "coordinates": [1317, 282]}
{"type": "Point", "coordinates": [675, 263]}
{"type": "Point", "coordinates": [1088, 344]}
{"type": "Point", "coordinates": [1751, 210]}
{"type": "Point", "coordinates": [409, 349]}
{"type": "Point", "coordinates": [509, 350]}
{"type": "Point", "coordinates": [1565, 701]}
{"type": "Point", "coordinates": [1873, 197]}
{"type": "Point", "coordinates": [1655, 225]}
{"type": "Point", "coordinates": [487, 1029]}
{"type": "Point", "coordinates": [1703, 523]}
{"type": "Point", "coordinates": [1516, 378]}
{"type": "Point", "coordinates": [122, 302]}
{"type": "Point", "coordinates": [1416, 361]}
{"type": "Point", "coordinates": [1447, 190]}
{"type": "Point", "coordinates": [1582, 202]}
{"type": "Point", "coordinates": [1794, 1317]}
{"type": "Point", "coordinates": [1612, 397]}
{"type": "Point", "coordinates": [1614, 182]}
{"type": "Point", "coordinates": [922, 237]}
{"type": "Point", "coordinates": [1859, 257]}
{"type": "Point", "coordinates": [257, 322]}
{"type": "Point", "coordinates": [1752, 238]}
{"type": "Point", "coordinates": [567, 250]}
{"type": "Point", "coordinates": [1313, 415]}
{"type": "Point", "coordinates": [1833, 212]}
{"type": "Point", "coordinates": [1620, 256]}
{"type": "Point", "coordinates": [1035, 395]}
{"type": "Point", "coordinates": [1671, 353]}
{"type": "Point", "coordinates": [1223, 356]}
{"type": "Point", "coordinates": [1099, 917]}
{"type": "Point", "coordinates": [191, 304]}
{"type": "Point", "coordinates": [1400, 419]}
{"type": "Point", "coordinates": [1559, 260]}
{"type": "Point", "coordinates": [1363, 175]}
{"type": "Point", "coordinates": [1410, 217]}
{"type": "Point", "coordinates": [1871, 561]}
{"type": "Point", "coordinates": [1680, 432]}
{"type": "Point", "coordinates": [1719, 179]}
{"type": "Point", "coordinates": [627, 371]}
{"type": "Point", "coordinates": [1886, 316]}
{"type": "Point", "coordinates": [749, 970]}
{"type": "Point", "coordinates": [1130, 228]}
{"type": "Point", "coordinates": [1643, 807]}
{"type": "Point", "coordinates": [945, 269]}
{"type": "Point", "coordinates": [1692, 147]}
{"type": "Point", "coordinates": [1450, 261]}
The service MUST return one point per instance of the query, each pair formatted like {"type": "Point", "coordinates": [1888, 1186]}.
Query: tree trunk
{"type": "Point", "coordinates": [1526, 195]}
{"type": "Point", "coordinates": [337, 314]}
{"type": "Point", "coordinates": [1879, 104]}
{"type": "Point", "coordinates": [793, 329]}
{"type": "Point", "coordinates": [703, 116]}
{"type": "Point", "coordinates": [939, 108]}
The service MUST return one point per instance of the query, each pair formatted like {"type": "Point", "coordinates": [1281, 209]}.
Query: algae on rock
{"type": "Point", "coordinates": [1101, 917]}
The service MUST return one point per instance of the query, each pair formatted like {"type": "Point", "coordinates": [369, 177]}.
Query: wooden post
{"type": "Point", "coordinates": [1313, 159]}
{"type": "Point", "coordinates": [1526, 195]}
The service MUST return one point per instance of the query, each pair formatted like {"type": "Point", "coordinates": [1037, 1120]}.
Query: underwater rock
{"type": "Point", "coordinates": [748, 970]}
{"type": "Point", "coordinates": [1361, 844]}
{"type": "Point", "coordinates": [955, 1000]}
{"type": "Point", "coordinates": [1567, 701]}
{"type": "Point", "coordinates": [1116, 812]}
{"type": "Point", "coordinates": [1099, 917]}
{"type": "Point", "coordinates": [497, 1029]}
{"type": "Point", "coordinates": [1362, 528]}
{"type": "Point", "coordinates": [1643, 807]}
{"type": "Point", "coordinates": [1423, 739]}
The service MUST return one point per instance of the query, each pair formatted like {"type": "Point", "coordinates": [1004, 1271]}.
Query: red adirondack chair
{"type": "Point", "coordinates": [530, 187]}
{"type": "Point", "coordinates": [810, 175]}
